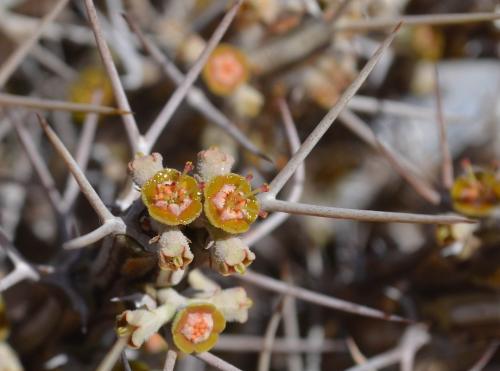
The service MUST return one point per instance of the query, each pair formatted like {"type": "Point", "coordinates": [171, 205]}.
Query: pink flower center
{"type": "Point", "coordinates": [170, 196]}
{"type": "Point", "coordinates": [230, 203]}
{"type": "Point", "coordinates": [227, 69]}
{"type": "Point", "coordinates": [198, 327]}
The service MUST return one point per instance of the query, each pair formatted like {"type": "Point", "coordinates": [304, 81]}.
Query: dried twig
{"type": "Point", "coordinates": [170, 360]}
{"type": "Point", "coordinates": [412, 20]}
{"type": "Point", "coordinates": [361, 215]}
{"type": "Point", "coordinates": [314, 297]}
{"type": "Point", "coordinates": [15, 59]}
{"type": "Point", "coordinates": [269, 336]}
{"type": "Point", "coordinates": [22, 269]}
{"type": "Point", "coordinates": [254, 344]}
{"type": "Point", "coordinates": [39, 165]}
{"type": "Point", "coordinates": [217, 362]}
{"type": "Point", "coordinates": [55, 105]}
{"type": "Point", "coordinates": [486, 356]}
{"type": "Point", "coordinates": [182, 90]}
{"type": "Point", "coordinates": [413, 339]}
{"type": "Point", "coordinates": [134, 136]}
{"type": "Point", "coordinates": [112, 224]}
{"type": "Point", "coordinates": [113, 355]}
{"type": "Point", "coordinates": [82, 153]}
{"type": "Point", "coordinates": [275, 220]}
{"type": "Point", "coordinates": [446, 159]}
{"type": "Point", "coordinates": [195, 97]}
{"type": "Point", "coordinates": [419, 184]}
{"type": "Point", "coordinates": [366, 104]}
{"type": "Point", "coordinates": [356, 354]}
{"type": "Point", "coordinates": [279, 181]}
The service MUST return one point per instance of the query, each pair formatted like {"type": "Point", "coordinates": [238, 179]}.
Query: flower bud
{"type": "Point", "coordinates": [213, 162]}
{"type": "Point", "coordinates": [174, 252]}
{"type": "Point", "coordinates": [141, 324]}
{"type": "Point", "coordinates": [247, 101]}
{"type": "Point", "coordinates": [145, 167]}
{"type": "Point", "coordinates": [233, 304]}
{"type": "Point", "coordinates": [231, 255]}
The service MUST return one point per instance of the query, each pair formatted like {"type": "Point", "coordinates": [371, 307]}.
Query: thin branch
{"type": "Point", "coordinates": [182, 90]}
{"type": "Point", "coordinates": [22, 269]}
{"type": "Point", "coordinates": [53, 63]}
{"type": "Point", "coordinates": [446, 159]}
{"type": "Point", "coordinates": [82, 153]}
{"type": "Point", "coordinates": [113, 355]}
{"type": "Point", "coordinates": [55, 105]}
{"type": "Point", "coordinates": [486, 356]}
{"type": "Point", "coordinates": [402, 166]}
{"type": "Point", "coordinates": [15, 59]}
{"type": "Point", "coordinates": [360, 215]}
{"type": "Point", "coordinates": [404, 353]}
{"type": "Point", "coordinates": [195, 97]}
{"type": "Point", "coordinates": [356, 354]}
{"type": "Point", "coordinates": [269, 336]}
{"type": "Point", "coordinates": [112, 226]}
{"type": "Point", "coordinates": [80, 177]}
{"type": "Point", "coordinates": [412, 20]}
{"type": "Point", "coordinates": [39, 165]}
{"type": "Point", "coordinates": [354, 123]}
{"type": "Point", "coordinates": [314, 297]}
{"type": "Point", "coordinates": [424, 189]}
{"type": "Point", "coordinates": [275, 220]}
{"type": "Point", "coordinates": [255, 344]}
{"type": "Point", "coordinates": [291, 327]}
{"type": "Point", "coordinates": [318, 132]}
{"type": "Point", "coordinates": [371, 105]}
{"type": "Point", "coordinates": [170, 360]}
{"type": "Point", "coordinates": [217, 362]}
{"type": "Point", "coordinates": [134, 136]}
{"type": "Point", "coordinates": [126, 365]}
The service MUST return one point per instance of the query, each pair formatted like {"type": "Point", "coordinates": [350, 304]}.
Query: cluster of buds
{"type": "Point", "coordinates": [222, 201]}
{"type": "Point", "coordinates": [196, 322]}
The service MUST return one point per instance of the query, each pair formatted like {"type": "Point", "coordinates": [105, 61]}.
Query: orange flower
{"type": "Point", "coordinates": [225, 70]}
{"type": "Point", "coordinates": [476, 193]}
{"type": "Point", "coordinates": [172, 197]}
{"type": "Point", "coordinates": [230, 203]}
{"type": "Point", "coordinates": [196, 328]}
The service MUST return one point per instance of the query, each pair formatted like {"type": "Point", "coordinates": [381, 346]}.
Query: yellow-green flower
{"type": "Point", "coordinates": [476, 193]}
{"type": "Point", "coordinates": [172, 197]}
{"type": "Point", "coordinates": [230, 203]}
{"type": "Point", "coordinates": [196, 328]}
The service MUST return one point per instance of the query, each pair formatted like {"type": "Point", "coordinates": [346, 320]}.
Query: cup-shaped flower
{"type": "Point", "coordinates": [88, 81]}
{"type": "Point", "coordinates": [196, 328]}
{"type": "Point", "coordinates": [230, 256]}
{"type": "Point", "coordinates": [172, 197]}
{"type": "Point", "coordinates": [174, 252]}
{"type": "Point", "coordinates": [144, 167]}
{"type": "Point", "coordinates": [233, 303]}
{"type": "Point", "coordinates": [230, 203]}
{"type": "Point", "coordinates": [213, 162]}
{"type": "Point", "coordinates": [226, 69]}
{"type": "Point", "coordinates": [476, 193]}
{"type": "Point", "coordinates": [141, 324]}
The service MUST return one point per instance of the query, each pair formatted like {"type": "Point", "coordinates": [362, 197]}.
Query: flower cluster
{"type": "Point", "coordinates": [196, 322]}
{"type": "Point", "coordinates": [220, 200]}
